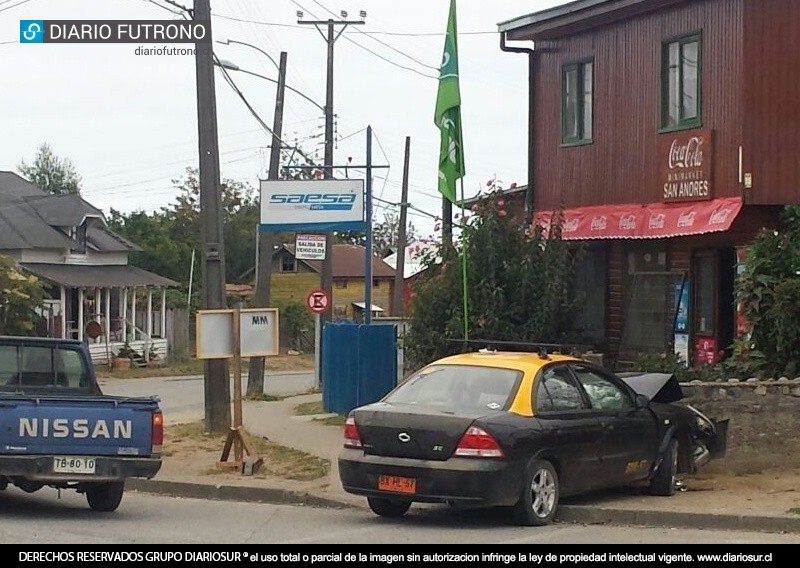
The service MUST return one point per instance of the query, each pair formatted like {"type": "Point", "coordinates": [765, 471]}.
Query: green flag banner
{"type": "Point", "coordinates": [448, 113]}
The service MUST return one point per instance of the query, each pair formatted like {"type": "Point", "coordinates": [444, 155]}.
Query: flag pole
{"type": "Point", "coordinates": [464, 249]}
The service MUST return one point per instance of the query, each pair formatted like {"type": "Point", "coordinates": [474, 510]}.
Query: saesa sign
{"type": "Point", "coordinates": [315, 205]}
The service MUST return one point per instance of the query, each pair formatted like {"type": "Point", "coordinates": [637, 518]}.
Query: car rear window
{"type": "Point", "coordinates": [33, 366]}
{"type": "Point", "coordinates": [458, 387]}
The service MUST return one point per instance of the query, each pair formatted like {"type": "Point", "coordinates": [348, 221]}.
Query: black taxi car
{"type": "Point", "coordinates": [521, 429]}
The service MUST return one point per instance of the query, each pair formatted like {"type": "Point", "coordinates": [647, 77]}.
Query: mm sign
{"type": "Point", "coordinates": [258, 332]}
{"type": "Point", "coordinates": [312, 205]}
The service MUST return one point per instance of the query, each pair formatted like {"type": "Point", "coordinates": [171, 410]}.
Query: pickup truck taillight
{"type": "Point", "coordinates": [158, 432]}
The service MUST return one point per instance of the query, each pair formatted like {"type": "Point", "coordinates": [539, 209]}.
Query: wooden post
{"type": "Point", "coordinates": [63, 312]}
{"type": "Point", "coordinates": [125, 314]}
{"type": "Point", "coordinates": [235, 437]}
{"type": "Point", "coordinates": [80, 314]}
{"type": "Point", "coordinates": [164, 316]}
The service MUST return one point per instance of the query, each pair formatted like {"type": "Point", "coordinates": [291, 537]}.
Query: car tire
{"type": "Point", "coordinates": [540, 492]}
{"type": "Point", "coordinates": [105, 497]}
{"type": "Point", "coordinates": [391, 508]}
{"type": "Point", "coordinates": [663, 482]}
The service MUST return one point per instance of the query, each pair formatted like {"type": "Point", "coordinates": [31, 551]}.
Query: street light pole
{"type": "Point", "coordinates": [217, 381]}
{"type": "Point", "coordinates": [330, 39]}
{"type": "Point", "coordinates": [255, 376]}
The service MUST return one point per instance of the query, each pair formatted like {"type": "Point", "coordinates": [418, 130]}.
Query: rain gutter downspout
{"type": "Point", "coordinates": [529, 201]}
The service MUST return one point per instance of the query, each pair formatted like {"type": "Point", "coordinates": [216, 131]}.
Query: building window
{"type": "Point", "coordinates": [287, 263]}
{"type": "Point", "coordinates": [376, 283]}
{"type": "Point", "coordinates": [340, 284]}
{"type": "Point", "coordinates": [78, 236]}
{"type": "Point", "coordinates": [577, 102]}
{"type": "Point", "coordinates": [680, 83]}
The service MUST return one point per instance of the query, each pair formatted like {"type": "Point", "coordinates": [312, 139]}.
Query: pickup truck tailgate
{"type": "Point", "coordinates": [79, 425]}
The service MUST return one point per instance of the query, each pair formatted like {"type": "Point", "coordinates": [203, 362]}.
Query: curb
{"type": "Point", "coordinates": [579, 514]}
{"type": "Point", "coordinates": [598, 515]}
{"type": "Point", "coordinates": [232, 493]}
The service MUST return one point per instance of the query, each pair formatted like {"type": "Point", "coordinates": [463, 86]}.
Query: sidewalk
{"type": "Point", "coordinates": [276, 421]}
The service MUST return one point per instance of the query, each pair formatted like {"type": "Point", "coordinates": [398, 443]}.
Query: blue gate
{"type": "Point", "coordinates": [359, 364]}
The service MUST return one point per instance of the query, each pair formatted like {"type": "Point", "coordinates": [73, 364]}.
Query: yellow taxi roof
{"type": "Point", "coordinates": [520, 360]}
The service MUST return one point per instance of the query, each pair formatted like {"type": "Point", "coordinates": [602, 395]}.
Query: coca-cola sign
{"type": "Point", "coordinates": [685, 165]}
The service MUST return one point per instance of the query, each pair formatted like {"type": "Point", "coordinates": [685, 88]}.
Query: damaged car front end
{"type": "Point", "coordinates": [705, 439]}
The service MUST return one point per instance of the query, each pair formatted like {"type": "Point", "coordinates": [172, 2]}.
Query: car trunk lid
{"type": "Point", "coordinates": [412, 431]}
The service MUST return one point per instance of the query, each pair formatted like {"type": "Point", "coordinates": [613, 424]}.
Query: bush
{"type": "Point", "coordinates": [294, 319]}
{"type": "Point", "coordinates": [518, 286]}
{"type": "Point", "coordinates": [769, 291]}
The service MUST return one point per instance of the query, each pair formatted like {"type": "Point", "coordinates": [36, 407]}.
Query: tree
{"type": "Point", "coordinates": [51, 173]}
{"type": "Point", "coordinates": [768, 290]}
{"type": "Point", "coordinates": [384, 235]}
{"type": "Point", "coordinates": [21, 296]}
{"type": "Point", "coordinates": [518, 286]}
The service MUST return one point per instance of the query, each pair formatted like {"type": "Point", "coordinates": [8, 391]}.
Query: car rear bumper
{"type": "Point", "coordinates": [107, 468]}
{"type": "Point", "coordinates": [465, 481]}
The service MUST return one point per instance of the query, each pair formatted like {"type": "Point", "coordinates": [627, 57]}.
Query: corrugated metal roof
{"type": "Point", "coordinates": [102, 276]}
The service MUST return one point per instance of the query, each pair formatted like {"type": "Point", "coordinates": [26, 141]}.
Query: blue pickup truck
{"type": "Point", "coordinates": [58, 429]}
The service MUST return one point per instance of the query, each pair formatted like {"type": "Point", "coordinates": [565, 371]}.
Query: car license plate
{"type": "Point", "coordinates": [72, 464]}
{"type": "Point", "coordinates": [397, 484]}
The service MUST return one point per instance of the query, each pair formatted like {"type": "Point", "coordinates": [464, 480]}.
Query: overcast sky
{"type": "Point", "coordinates": [129, 122]}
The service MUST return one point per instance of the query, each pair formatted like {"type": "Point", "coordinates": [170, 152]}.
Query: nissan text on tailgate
{"type": "Point", "coordinates": [58, 429]}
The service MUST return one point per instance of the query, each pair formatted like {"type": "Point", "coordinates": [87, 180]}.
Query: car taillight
{"type": "Point", "coordinates": [478, 443]}
{"type": "Point", "coordinates": [351, 437]}
{"type": "Point", "coordinates": [158, 432]}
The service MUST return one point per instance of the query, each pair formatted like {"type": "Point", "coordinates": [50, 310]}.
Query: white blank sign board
{"type": "Point", "coordinates": [258, 332]}
{"type": "Point", "coordinates": [214, 334]}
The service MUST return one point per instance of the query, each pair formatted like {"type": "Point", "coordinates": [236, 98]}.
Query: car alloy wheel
{"type": "Point", "coordinates": [539, 499]}
{"type": "Point", "coordinates": [663, 482]}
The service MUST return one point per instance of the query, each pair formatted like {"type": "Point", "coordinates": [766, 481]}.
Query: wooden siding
{"type": "Point", "coordinates": [621, 164]}
{"type": "Point", "coordinates": [292, 286]}
{"type": "Point", "coordinates": [295, 286]}
{"type": "Point", "coordinates": [771, 113]}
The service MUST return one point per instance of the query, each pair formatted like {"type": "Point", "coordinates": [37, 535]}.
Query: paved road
{"type": "Point", "coordinates": [182, 398]}
{"type": "Point", "coordinates": [43, 518]}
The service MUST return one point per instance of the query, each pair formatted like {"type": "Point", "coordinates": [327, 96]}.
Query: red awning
{"type": "Point", "coordinates": [645, 220]}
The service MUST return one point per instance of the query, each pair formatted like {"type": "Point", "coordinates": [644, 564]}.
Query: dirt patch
{"type": "Point", "coordinates": [190, 451]}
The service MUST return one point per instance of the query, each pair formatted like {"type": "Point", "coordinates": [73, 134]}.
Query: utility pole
{"type": "Point", "coordinates": [255, 374]}
{"type": "Point", "coordinates": [399, 277]}
{"type": "Point", "coordinates": [217, 380]}
{"type": "Point", "coordinates": [330, 38]}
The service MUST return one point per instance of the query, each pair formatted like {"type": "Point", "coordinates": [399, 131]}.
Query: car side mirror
{"type": "Point", "coordinates": [642, 401]}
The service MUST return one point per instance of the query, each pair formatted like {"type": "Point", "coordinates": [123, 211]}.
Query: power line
{"type": "Point", "coordinates": [381, 42]}
{"type": "Point", "coordinates": [400, 34]}
{"type": "Point", "coordinates": [20, 3]}
{"type": "Point", "coordinates": [255, 114]}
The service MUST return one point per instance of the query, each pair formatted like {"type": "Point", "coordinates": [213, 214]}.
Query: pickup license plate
{"type": "Point", "coordinates": [397, 484]}
{"type": "Point", "coordinates": [72, 464]}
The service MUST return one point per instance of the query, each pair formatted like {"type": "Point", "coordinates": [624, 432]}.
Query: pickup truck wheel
{"type": "Point", "coordinates": [105, 497]}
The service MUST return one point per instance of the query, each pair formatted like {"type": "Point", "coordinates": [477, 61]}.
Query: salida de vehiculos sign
{"type": "Point", "coordinates": [685, 160]}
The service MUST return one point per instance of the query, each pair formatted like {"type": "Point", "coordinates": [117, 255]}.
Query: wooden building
{"type": "Point", "coordinates": [666, 132]}
{"type": "Point", "coordinates": [292, 279]}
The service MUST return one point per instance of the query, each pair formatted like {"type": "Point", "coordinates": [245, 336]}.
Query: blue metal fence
{"type": "Point", "coordinates": [359, 364]}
